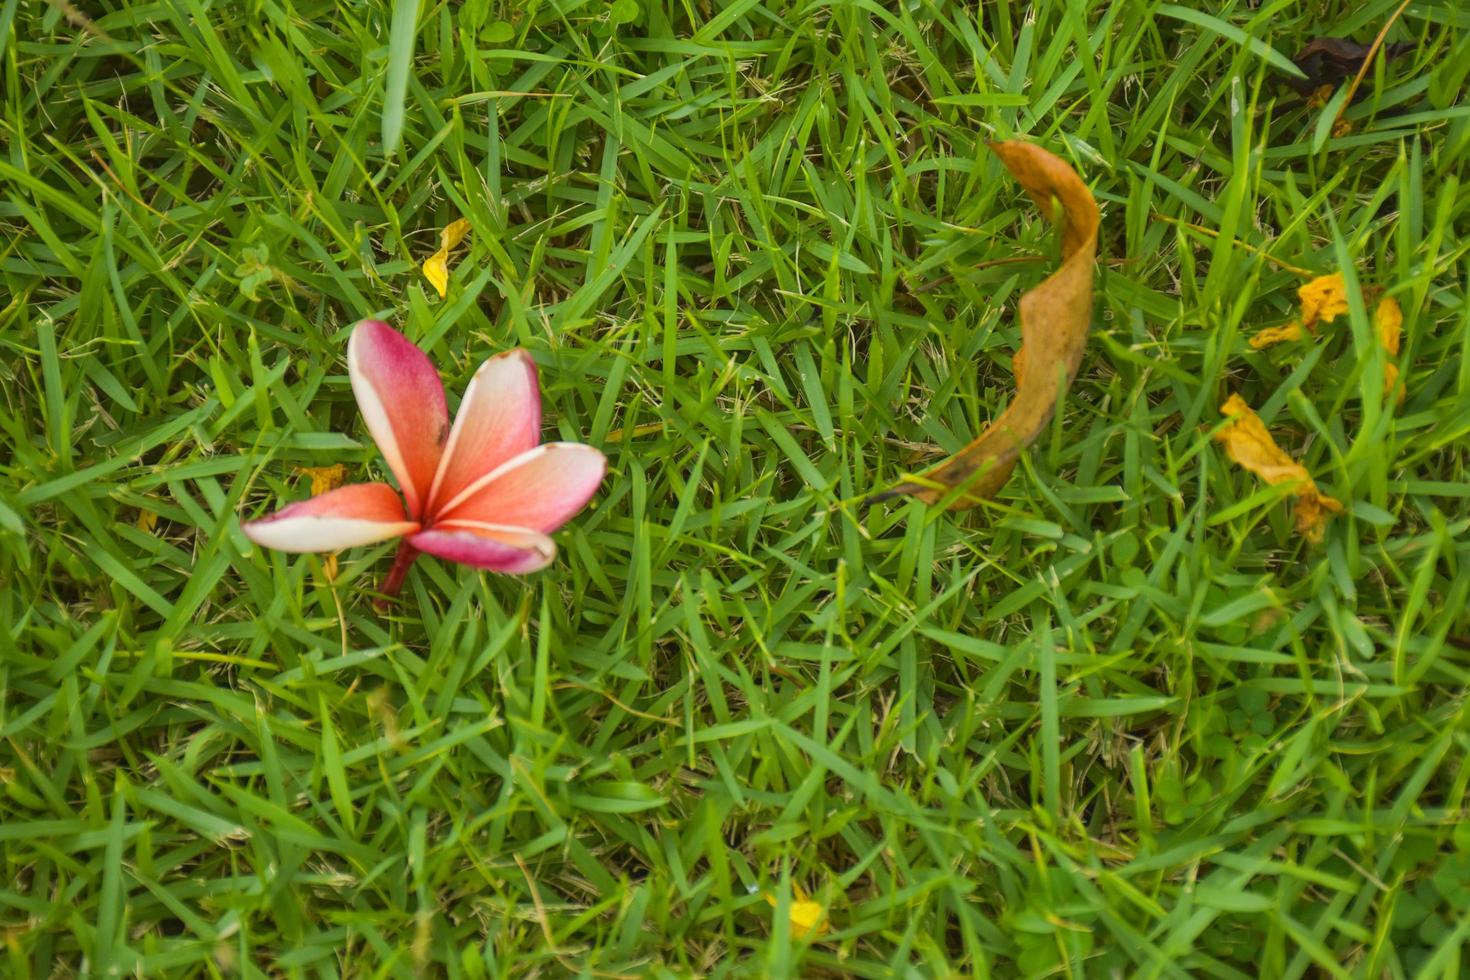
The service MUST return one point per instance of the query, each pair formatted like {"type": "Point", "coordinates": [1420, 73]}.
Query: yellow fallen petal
{"type": "Point", "coordinates": [436, 266]}
{"type": "Point", "coordinates": [436, 270]}
{"type": "Point", "coordinates": [1277, 335]}
{"type": "Point", "coordinates": [1249, 444]}
{"type": "Point", "coordinates": [324, 478]}
{"type": "Point", "coordinates": [454, 233]}
{"type": "Point", "coordinates": [147, 521]}
{"type": "Point", "coordinates": [1323, 299]}
{"type": "Point", "coordinates": [1388, 323]}
{"type": "Point", "coordinates": [1312, 511]}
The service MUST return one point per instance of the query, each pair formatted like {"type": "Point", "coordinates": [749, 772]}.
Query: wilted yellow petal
{"type": "Point", "coordinates": [1312, 511]}
{"type": "Point", "coordinates": [1388, 323]}
{"type": "Point", "coordinates": [808, 918]}
{"type": "Point", "coordinates": [1249, 444]}
{"type": "Point", "coordinates": [436, 266]}
{"type": "Point", "coordinates": [1323, 299]}
{"type": "Point", "coordinates": [147, 521]}
{"type": "Point", "coordinates": [324, 478]}
{"type": "Point", "coordinates": [1277, 335]}
{"type": "Point", "coordinates": [436, 270]}
{"type": "Point", "coordinates": [454, 233]}
{"type": "Point", "coordinates": [1388, 320]}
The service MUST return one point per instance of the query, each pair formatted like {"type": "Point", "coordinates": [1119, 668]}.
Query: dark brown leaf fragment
{"type": "Point", "coordinates": [1330, 61]}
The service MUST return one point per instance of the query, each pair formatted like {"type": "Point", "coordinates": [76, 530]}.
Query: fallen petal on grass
{"type": "Point", "coordinates": [1249, 444]}
{"type": "Point", "coordinates": [436, 266]}
{"type": "Point", "coordinates": [1388, 324]}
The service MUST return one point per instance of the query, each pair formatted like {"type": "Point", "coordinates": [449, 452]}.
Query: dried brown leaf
{"type": "Point", "coordinates": [1328, 61]}
{"type": "Point", "coordinates": [1054, 321]}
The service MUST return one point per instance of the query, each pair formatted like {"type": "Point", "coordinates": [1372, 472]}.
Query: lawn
{"type": "Point", "coordinates": [1122, 720]}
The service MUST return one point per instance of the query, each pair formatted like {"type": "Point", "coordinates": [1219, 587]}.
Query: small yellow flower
{"type": "Point", "coordinates": [324, 478]}
{"type": "Point", "coordinates": [808, 918]}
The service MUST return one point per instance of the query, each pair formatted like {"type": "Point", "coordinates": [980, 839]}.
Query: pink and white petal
{"type": "Point", "coordinates": [402, 400]}
{"type": "Point", "coordinates": [541, 488]}
{"type": "Point", "coordinates": [357, 514]}
{"type": "Point", "coordinates": [499, 419]}
{"type": "Point", "coordinates": [510, 550]}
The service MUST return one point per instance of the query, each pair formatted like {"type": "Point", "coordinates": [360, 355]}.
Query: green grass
{"type": "Point", "coordinates": [1121, 723]}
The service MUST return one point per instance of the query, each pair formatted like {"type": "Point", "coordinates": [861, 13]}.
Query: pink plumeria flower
{"type": "Point", "coordinates": [484, 493]}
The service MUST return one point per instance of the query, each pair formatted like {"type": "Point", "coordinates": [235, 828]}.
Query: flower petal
{"type": "Point", "coordinates": [402, 401]}
{"type": "Point", "coordinates": [540, 489]}
{"type": "Point", "coordinates": [499, 419]}
{"type": "Point", "coordinates": [1249, 444]}
{"type": "Point", "coordinates": [498, 548]}
{"type": "Point", "coordinates": [1388, 323]}
{"type": "Point", "coordinates": [359, 513]}
{"type": "Point", "coordinates": [436, 266]}
{"type": "Point", "coordinates": [1323, 299]}
{"type": "Point", "coordinates": [1275, 335]}
{"type": "Point", "coordinates": [436, 270]}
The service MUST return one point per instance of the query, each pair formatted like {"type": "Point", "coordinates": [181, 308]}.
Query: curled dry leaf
{"type": "Point", "coordinates": [1249, 443]}
{"type": "Point", "coordinates": [436, 266]}
{"type": "Point", "coordinates": [1054, 322]}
